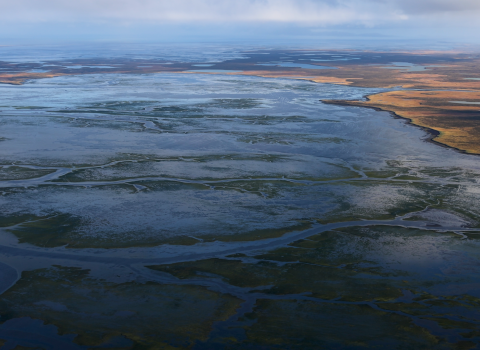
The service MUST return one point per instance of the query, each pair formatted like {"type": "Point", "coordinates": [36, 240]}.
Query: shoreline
{"type": "Point", "coordinates": [432, 133]}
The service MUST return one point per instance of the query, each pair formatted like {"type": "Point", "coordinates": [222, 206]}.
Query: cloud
{"type": "Point", "coordinates": [306, 13]}
{"type": "Point", "coordinates": [249, 20]}
{"type": "Point", "coordinates": [321, 12]}
{"type": "Point", "coordinates": [432, 7]}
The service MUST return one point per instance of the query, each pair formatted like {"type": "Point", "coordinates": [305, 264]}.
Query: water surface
{"type": "Point", "coordinates": [223, 207]}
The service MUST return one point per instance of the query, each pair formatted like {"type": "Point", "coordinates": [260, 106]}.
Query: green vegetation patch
{"type": "Point", "coordinates": [351, 247]}
{"type": "Point", "coordinates": [31, 107]}
{"type": "Point", "coordinates": [453, 324]}
{"type": "Point", "coordinates": [20, 173]}
{"type": "Point", "coordinates": [258, 234]}
{"type": "Point", "coordinates": [66, 229]}
{"type": "Point", "coordinates": [152, 315]}
{"type": "Point", "coordinates": [380, 174]}
{"type": "Point", "coordinates": [11, 220]}
{"type": "Point", "coordinates": [310, 325]}
{"type": "Point", "coordinates": [51, 231]}
{"type": "Point", "coordinates": [322, 282]}
{"type": "Point", "coordinates": [287, 138]}
{"type": "Point", "coordinates": [232, 103]}
{"type": "Point", "coordinates": [414, 309]}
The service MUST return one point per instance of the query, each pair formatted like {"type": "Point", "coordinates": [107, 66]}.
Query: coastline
{"type": "Point", "coordinates": [432, 133]}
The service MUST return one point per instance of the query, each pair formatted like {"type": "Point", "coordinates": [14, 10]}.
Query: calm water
{"type": "Point", "coordinates": [111, 173]}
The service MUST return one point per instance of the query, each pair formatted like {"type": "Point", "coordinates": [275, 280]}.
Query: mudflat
{"type": "Point", "coordinates": [188, 204]}
{"type": "Point", "coordinates": [442, 77]}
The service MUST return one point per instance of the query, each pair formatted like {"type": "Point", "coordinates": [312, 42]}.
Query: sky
{"type": "Point", "coordinates": [239, 20]}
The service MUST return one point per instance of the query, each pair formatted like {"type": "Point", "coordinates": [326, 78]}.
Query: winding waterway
{"type": "Point", "coordinates": [113, 173]}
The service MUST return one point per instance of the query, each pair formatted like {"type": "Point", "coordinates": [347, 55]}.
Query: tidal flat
{"type": "Point", "coordinates": [202, 211]}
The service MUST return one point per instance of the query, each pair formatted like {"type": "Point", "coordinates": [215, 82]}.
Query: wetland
{"type": "Point", "coordinates": [226, 211]}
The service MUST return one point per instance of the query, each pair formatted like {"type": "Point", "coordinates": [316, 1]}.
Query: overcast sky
{"type": "Point", "coordinates": [221, 19]}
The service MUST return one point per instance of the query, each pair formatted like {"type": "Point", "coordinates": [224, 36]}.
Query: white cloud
{"type": "Point", "coordinates": [323, 12]}
{"type": "Point", "coordinates": [431, 7]}
{"type": "Point", "coordinates": [309, 12]}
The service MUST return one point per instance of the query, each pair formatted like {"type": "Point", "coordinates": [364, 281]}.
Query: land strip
{"type": "Point", "coordinates": [451, 117]}
{"type": "Point", "coordinates": [440, 90]}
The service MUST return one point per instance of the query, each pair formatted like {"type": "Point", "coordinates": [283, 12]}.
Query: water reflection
{"type": "Point", "coordinates": [232, 192]}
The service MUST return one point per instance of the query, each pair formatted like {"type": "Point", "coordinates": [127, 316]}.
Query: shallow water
{"type": "Point", "coordinates": [466, 102]}
{"type": "Point", "coordinates": [296, 65]}
{"type": "Point", "coordinates": [410, 67]}
{"type": "Point", "coordinates": [199, 145]}
{"type": "Point", "coordinates": [111, 173]}
{"type": "Point", "coordinates": [212, 70]}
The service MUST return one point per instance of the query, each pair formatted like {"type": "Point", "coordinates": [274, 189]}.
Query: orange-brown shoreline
{"type": "Point", "coordinates": [436, 95]}
{"type": "Point", "coordinates": [454, 124]}
{"type": "Point", "coordinates": [432, 133]}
